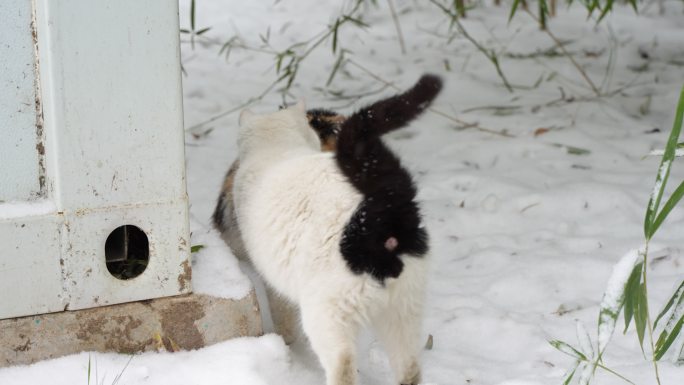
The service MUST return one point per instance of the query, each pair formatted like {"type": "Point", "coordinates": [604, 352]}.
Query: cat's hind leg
{"type": "Point", "coordinates": [398, 327]}
{"type": "Point", "coordinates": [284, 314]}
{"type": "Point", "coordinates": [332, 328]}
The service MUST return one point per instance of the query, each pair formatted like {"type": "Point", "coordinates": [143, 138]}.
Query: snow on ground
{"type": "Point", "coordinates": [524, 233]}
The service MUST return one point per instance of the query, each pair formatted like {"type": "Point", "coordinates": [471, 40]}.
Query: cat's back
{"type": "Point", "coordinates": [310, 186]}
{"type": "Point", "coordinates": [293, 216]}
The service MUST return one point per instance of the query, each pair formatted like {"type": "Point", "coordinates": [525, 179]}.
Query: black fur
{"type": "Point", "coordinates": [388, 209]}
{"type": "Point", "coordinates": [325, 128]}
{"type": "Point", "coordinates": [218, 216]}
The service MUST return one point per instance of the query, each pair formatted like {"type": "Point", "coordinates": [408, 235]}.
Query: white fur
{"type": "Point", "coordinates": [292, 204]}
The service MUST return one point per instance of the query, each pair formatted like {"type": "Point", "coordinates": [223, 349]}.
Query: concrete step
{"type": "Point", "coordinates": [173, 323]}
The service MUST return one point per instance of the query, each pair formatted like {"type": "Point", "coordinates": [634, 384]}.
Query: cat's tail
{"type": "Point", "coordinates": [387, 222]}
{"type": "Point", "coordinates": [388, 114]}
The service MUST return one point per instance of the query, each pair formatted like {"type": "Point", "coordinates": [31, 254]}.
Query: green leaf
{"type": "Point", "coordinates": [514, 8]}
{"type": "Point", "coordinates": [567, 349]}
{"type": "Point", "coordinates": [192, 15]}
{"type": "Point", "coordinates": [631, 293]}
{"type": "Point", "coordinates": [334, 38]}
{"type": "Point", "coordinates": [674, 325]}
{"type": "Point", "coordinates": [203, 30]}
{"type": "Point", "coordinates": [543, 13]}
{"type": "Point", "coordinates": [338, 64]}
{"type": "Point", "coordinates": [584, 340]}
{"type": "Point", "coordinates": [571, 373]}
{"type": "Point", "coordinates": [666, 339]}
{"type": "Point", "coordinates": [355, 21]}
{"type": "Point", "coordinates": [572, 150]}
{"type": "Point", "coordinates": [614, 298]}
{"type": "Point", "coordinates": [679, 293]}
{"type": "Point", "coordinates": [196, 248]}
{"type": "Point", "coordinates": [664, 170]}
{"type": "Point", "coordinates": [183, 30]}
{"type": "Point", "coordinates": [633, 3]}
{"type": "Point", "coordinates": [640, 316]}
{"type": "Point", "coordinates": [667, 207]}
{"type": "Point", "coordinates": [607, 8]}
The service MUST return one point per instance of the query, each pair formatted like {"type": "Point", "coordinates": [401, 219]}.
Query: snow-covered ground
{"type": "Point", "coordinates": [524, 229]}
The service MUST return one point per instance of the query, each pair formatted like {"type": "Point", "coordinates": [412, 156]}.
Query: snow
{"type": "Point", "coordinates": [662, 174]}
{"type": "Point", "coordinates": [214, 272]}
{"type": "Point", "coordinates": [614, 295]}
{"type": "Point", "coordinates": [524, 233]}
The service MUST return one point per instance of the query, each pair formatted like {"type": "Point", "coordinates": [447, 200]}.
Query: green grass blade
{"type": "Point", "coordinates": [118, 376]}
{"type": "Point", "coordinates": [664, 170]}
{"type": "Point", "coordinates": [88, 369]}
{"type": "Point", "coordinates": [631, 293]}
{"type": "Point", "coordinates": [567, 349]}
{"type": "Point", "coordinates": [677, 296]}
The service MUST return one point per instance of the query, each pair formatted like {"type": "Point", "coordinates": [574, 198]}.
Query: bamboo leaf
{"type": "Point", "coordinates": [679, 293]}
{"type": "Point", "coordinates": [585, 341]}
{"type": "Point", "coordinates": [514, 8]}
{"type": "Point", "coordinates": [334, 38]}
{"type": "Point", "coordinates": [631, 293]}
{"type": "Point", "coordinates": [633, 3]}
{"type": "Point", "coordinates": [667, 207]}
{"type": "Point", "coordinates": [587, 374]}
{"type": "Point", "coordinates": [196, 248]}
{"type": "Point", "coordinates": [354, 21]}
{"type": "Point", "coordinates": [607, 8]}
{"type": "Point", "coordinates": [192, 15]}
{"type": "Point", "coordinates": [668, 339]}
{"type": "Point", "coordinates": [571, 373]}
{"type": "Point", "coordinates": [674, 325]}
{"type": "Point", "coordinates": [664, 170]}
{"type": "Point", "coordinates": [640, 316]}
{"type": "Point", "coordinates": [203, 30]}
{"type": "Point", "coordinates": [338, 64]}
{"type": "Point", "coordinates": [567, 349]}
{"type": "Point", "coordinates": [614, 298]}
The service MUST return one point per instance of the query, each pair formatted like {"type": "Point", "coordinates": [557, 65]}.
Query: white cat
{"type": "Point", "coordinates": [333, 233]}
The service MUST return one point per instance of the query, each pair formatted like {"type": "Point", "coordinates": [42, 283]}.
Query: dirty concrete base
{"type": "Point", "coordinates": [184, 322]}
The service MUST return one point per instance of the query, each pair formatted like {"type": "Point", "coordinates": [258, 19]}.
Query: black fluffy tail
{"type": "Point", "coordinates": [387, 222]}
{"type": "Point", "coordinates": [389, 114]}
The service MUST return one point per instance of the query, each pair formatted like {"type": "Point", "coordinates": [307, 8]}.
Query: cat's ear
{"type": "Point", "coordinates": [245, 115]}
{"type": "Point", "coordinates": [300, 105]}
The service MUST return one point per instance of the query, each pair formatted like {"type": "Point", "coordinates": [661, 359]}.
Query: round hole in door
{"type": "Point", "coordinates": [127, 252]}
